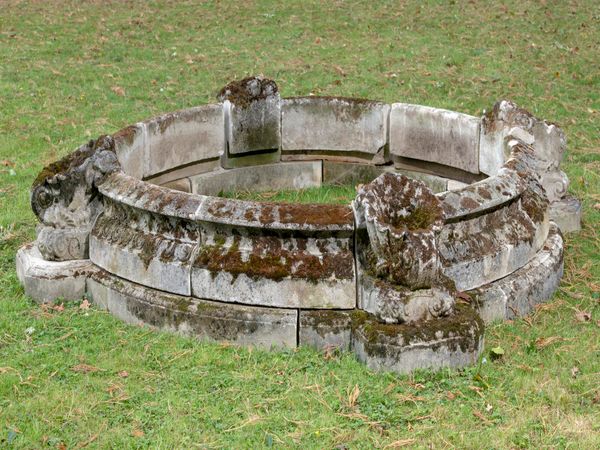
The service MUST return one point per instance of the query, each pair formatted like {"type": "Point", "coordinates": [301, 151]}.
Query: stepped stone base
{"type": "Point", "coordinates": [46, 281]}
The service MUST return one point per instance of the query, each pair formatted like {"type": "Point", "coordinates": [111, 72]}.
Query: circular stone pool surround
{"type": "Point", "coordinates": [457, 222]}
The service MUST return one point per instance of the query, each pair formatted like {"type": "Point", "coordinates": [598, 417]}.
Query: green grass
{"type": "Point", "coordinates": [61, 66]}
{"type": "Point", "coordinates": [331, 194]}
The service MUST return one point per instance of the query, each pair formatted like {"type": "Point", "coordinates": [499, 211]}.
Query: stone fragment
{"type": "Point", "coordinates": [46, 281]}
{"type": "Point", "coordinates": [453, 341]}
{"type": "Point", "coordinates": [507, 121]}
{"type": "Point", "coordinates": [183, 138]}
{"type": "Point", "coordinates": [252, 109]}
{"type": "Point", "coordinates": [313, 124]}
{"type": "Point", "coordinates": [325, 329]}
{"type": "Point", "coordinates": [63, 244]}
{"type": "Point", "coordinates": [268, 177]}
{"type": "Point", "coordinates": [566, 213]}
{"type": "Point", "coordinates": [435, 135]}
{"type": "Point", "coordinates": [482, 196]}
{"type": "Point", "coordinates": [244, 325]}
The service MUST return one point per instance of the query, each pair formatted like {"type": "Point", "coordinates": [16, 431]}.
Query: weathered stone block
{"type": "Point", "coordinates": [325, 329]}
{"type": "Point", "coordinates": [268, 270]}
{"type": "Point", "coordinates": [519, 292]}
{"type": "Point", "coordinates": [330, 123]}
{"type": "Point", "coordinates": [252, 110]}
{"type": "Point", "coordinates": [46, 281]}
{"type": "Point", "coordinates": [453, 341]}
{"type": "Point", "coordinates": [63, 244]}
{"type": "Point", "coordinates": [491, 246]}
{"type": "Point", "coordinates": [184, 137]}
{"type": "Point", "coordinates": [244, 325]}
{"type": "Point", "coordinates": [149, 249]}
{"type": "Point", "coordinates": [270, 177]}
{"type": "Point", "coordinates": [435, 135]}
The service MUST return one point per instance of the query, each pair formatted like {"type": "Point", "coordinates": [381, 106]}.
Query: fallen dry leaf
{"type": "Point", "coordinates": [542, 342]}
{"type": "Point", "coordinates": [464, 296]}
{"type": "Point", "coordinates": [137, 433]}
{"type": "Point", "coordinates": [123, 374]}
{"type": "Point", "coordinates": [583, 316]}
{"type": "Point", "coordinates": [353, 396]}
{"type": "Point", "coordinates": [400, 443]}
{"type": "Point", "coordinates": [481, 417]}
{"type": "Point", "coordinates": [85, 304]}
{"type": "Point", "coordinates": [118, 90]}
{"type": "Point", "coordinates": [575, 371]}
{"type": "Point", "coordinates": [409, 398]}
{"type": "Point", "coordinates": [339, 70]}
{"type": "Point", "coordinates": [84, 368]}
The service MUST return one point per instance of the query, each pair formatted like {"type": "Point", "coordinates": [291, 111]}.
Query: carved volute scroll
{"type": "Point", "coordinates": [549, 143]}
{"type": "Point", "coordinates": [65, 199]}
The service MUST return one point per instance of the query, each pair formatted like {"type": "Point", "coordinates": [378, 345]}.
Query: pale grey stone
{"type": "Point", "coordinates": [325, 329]}
{"type": "Point", "coordinates": [252, 109]}
{"type": "Point", "coordinates": [349, 173]}
{"type": "Point", "coordinates": [271, 177]}
{"type": "Point", "coordinates": [286, 293]}
{"type": "Point", "coordinates": [533, 283]}
{"type": "Point", "coordinates": [184, 137]}
{"type": "Point", "coordinates": [454, 185]}
{"type": "Point", "coordinates": [435, 135]}
{"type": "Point", "coordinates": [244, 325]}
{"type": "Point", "coordinates": [566, 213]}
{"type": "Point", "coordinates": [46, 281]}
{"type": "Point", "coordinates": [335, 124]}
{"type": "Point", "coordinates": [482, 196]}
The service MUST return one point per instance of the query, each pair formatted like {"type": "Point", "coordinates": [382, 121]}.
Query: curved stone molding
{"type": "Point", "coordinates": [435, 135]}
{"type": "Point", "coordinates": [518, 293]}
{"type": "Point", "coordinates": [446, 203]}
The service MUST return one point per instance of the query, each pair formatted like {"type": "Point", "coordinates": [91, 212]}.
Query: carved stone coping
{"type": "Point", "coordinates": [125, 189]}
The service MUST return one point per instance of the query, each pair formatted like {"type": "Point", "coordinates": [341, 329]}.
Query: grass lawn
{"type": "Point", "coordinates": [332, 194]}
{"type": "Point", "coordinates": [73, 377]}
